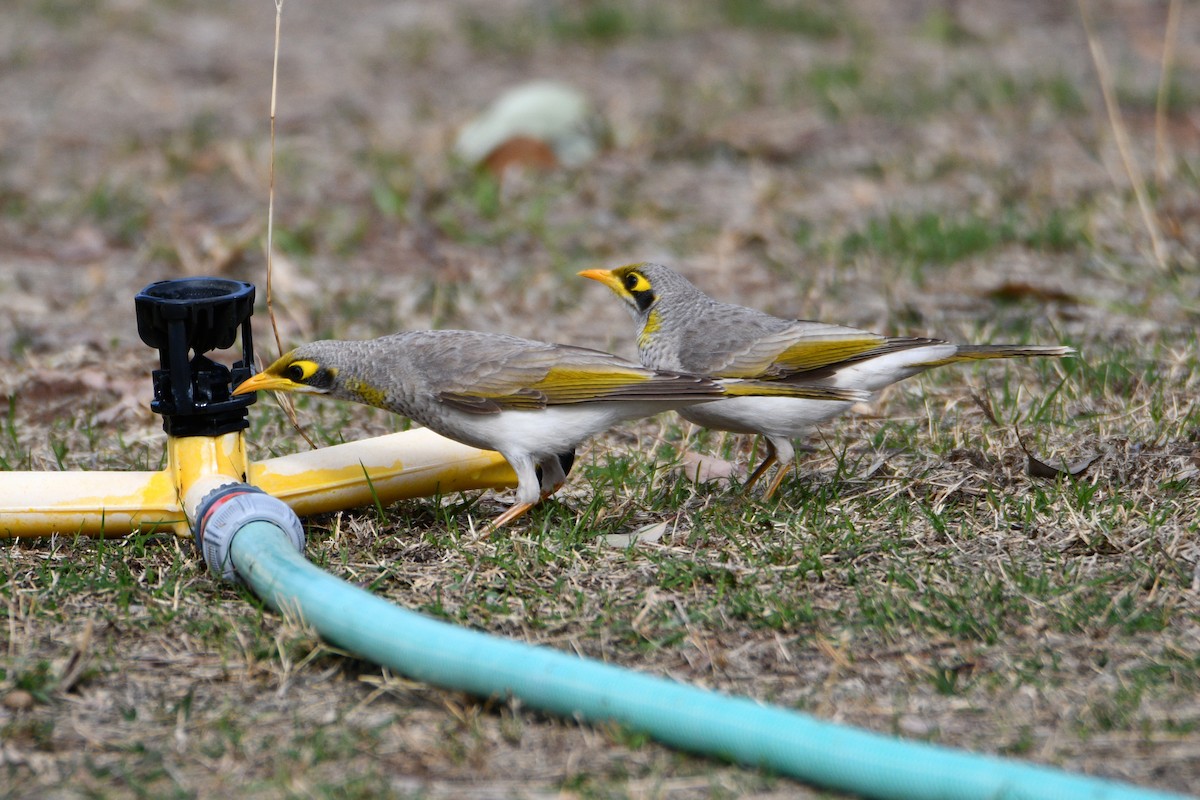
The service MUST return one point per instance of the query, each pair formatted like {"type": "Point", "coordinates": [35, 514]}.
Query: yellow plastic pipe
{"type": "Point", "coordinates": [86, 503]}
{"type": "Point", "coordinates": [415, 463]}
{"type": "Point", "coordinates": [399, 466]}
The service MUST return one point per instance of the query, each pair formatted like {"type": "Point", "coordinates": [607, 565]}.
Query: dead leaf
{"type": "Point", "coordinates": [520, 152]}
{"type": "Point", "coordinates": [702, 469]}
{"type": "Point", "coordinates": [1040, 469]}
{"type": "Point", "coordinates": [648, 534]}
{"type": "Point", "coordinates": [1016, 291]}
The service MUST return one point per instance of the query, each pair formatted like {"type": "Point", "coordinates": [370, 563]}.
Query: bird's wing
{"type": "Point", "coordinates": [801, 347]}
{"type": "Point", "coordinates": [542, 375]}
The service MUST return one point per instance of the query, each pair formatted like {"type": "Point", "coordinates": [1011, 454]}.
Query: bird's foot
{"type": "Point", "coordinates": [514, 511]}
{"type": "Point", "coordinates": [777, 481]}
{"type": "Point", "coordinates": [759, 471]}
{"type": "Point", "coordinates": [547, 492]}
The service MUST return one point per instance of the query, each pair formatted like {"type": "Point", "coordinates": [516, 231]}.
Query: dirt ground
{"type": "Point", "coordinates": [796, 157]}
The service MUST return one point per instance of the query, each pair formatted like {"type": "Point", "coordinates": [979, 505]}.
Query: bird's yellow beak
{"type": "Point", "coordinates": [265, 381]}
{"type": "Point", "coordinates": [606, 277]}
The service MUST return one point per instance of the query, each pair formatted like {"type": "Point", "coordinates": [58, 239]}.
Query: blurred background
{"type": "Point", "coordinates": [943, 168]}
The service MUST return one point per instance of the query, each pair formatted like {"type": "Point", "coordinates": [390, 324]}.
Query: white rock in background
{"type": "Point", "coordinates": [552, 113]}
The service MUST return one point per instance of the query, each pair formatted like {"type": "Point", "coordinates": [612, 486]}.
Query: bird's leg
{"type": "Point", "coordinates": [566, 461]}
{"type": "Point", "coordinates": [529, 477]}
{"type": "Point", "coordinates": [552, 472]}
{"type": "Point", "coordinates": [761, 468]}
{"type": "Point", "coordinates": [778, 479]}
{"type": "Point", "coordinates": [514, 511]}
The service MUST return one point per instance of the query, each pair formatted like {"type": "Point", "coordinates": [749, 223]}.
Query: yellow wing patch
{"type": "Point", "coordinates": [480, 403]}
{"type": "Point", "coordinates": [572, 385]}
{"type": "Point", "coordinates": [559, 385]}
{"type": "Point", "coordinates": [805, 355]}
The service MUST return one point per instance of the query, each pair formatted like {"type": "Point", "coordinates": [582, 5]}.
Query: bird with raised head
{"type": "Point", "coordinates": [681, 328]}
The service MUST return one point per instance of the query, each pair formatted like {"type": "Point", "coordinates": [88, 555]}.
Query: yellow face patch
{"type": "Point", "coordinates": [283, 376]}
{"type": "Point", "coordinates": [623, 280]}
{"type": "Point", "coordinates": [300, 371]}
{"type": "Point", "coordinates": [632, 281]}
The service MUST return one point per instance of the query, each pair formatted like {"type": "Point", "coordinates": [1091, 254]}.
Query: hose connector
{"type": "Point", "coordinates": [223, 511]}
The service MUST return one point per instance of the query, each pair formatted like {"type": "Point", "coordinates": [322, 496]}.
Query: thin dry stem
{"type": "Point", "coordinates": [1170, 38]}
{"type": "Point", "coordinates": [289, 408]}
{"type": "Point", "coordinates": [271, 180]}
{"type": "Point", "coordinates": [1121, 134]}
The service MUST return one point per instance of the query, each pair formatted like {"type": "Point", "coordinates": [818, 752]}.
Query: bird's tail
{"type": "Point", "coordinates": [982, 352]}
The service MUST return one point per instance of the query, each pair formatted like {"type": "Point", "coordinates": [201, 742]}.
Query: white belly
{"type": "Point", "coordinates": [788, 417]}
{"type": "Point", "coordinates": [541, 432]}
{"type": "Point", "coordinates": [780, 416]}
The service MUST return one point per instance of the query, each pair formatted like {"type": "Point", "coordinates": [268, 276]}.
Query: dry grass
{"type": "Point", "coordinates": [897, 166]}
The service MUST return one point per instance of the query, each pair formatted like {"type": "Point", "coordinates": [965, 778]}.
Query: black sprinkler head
{"type": "Point", "coordinates": [184, 319]}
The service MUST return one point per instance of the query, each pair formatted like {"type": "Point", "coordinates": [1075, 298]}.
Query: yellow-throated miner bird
{"type": "Point", "coordinates": [680, 328]}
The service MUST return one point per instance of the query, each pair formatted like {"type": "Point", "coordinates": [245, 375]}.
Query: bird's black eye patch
{"type": "Point", "coordinates": [295, 373]}
{"type": "Point", "coordinates": [639, 288]}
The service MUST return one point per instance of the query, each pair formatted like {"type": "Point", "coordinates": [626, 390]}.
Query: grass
{"type": "Point", "coordinates": [610, 22]}
{"type": "Point", "coordinates": [815, 20]}
{"type": "Point", "coordinates": [911, 577]}
{"type": "Point", "coordinates": [883, 574]}
{"type": "Point", "coordinates": [939, 238]}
